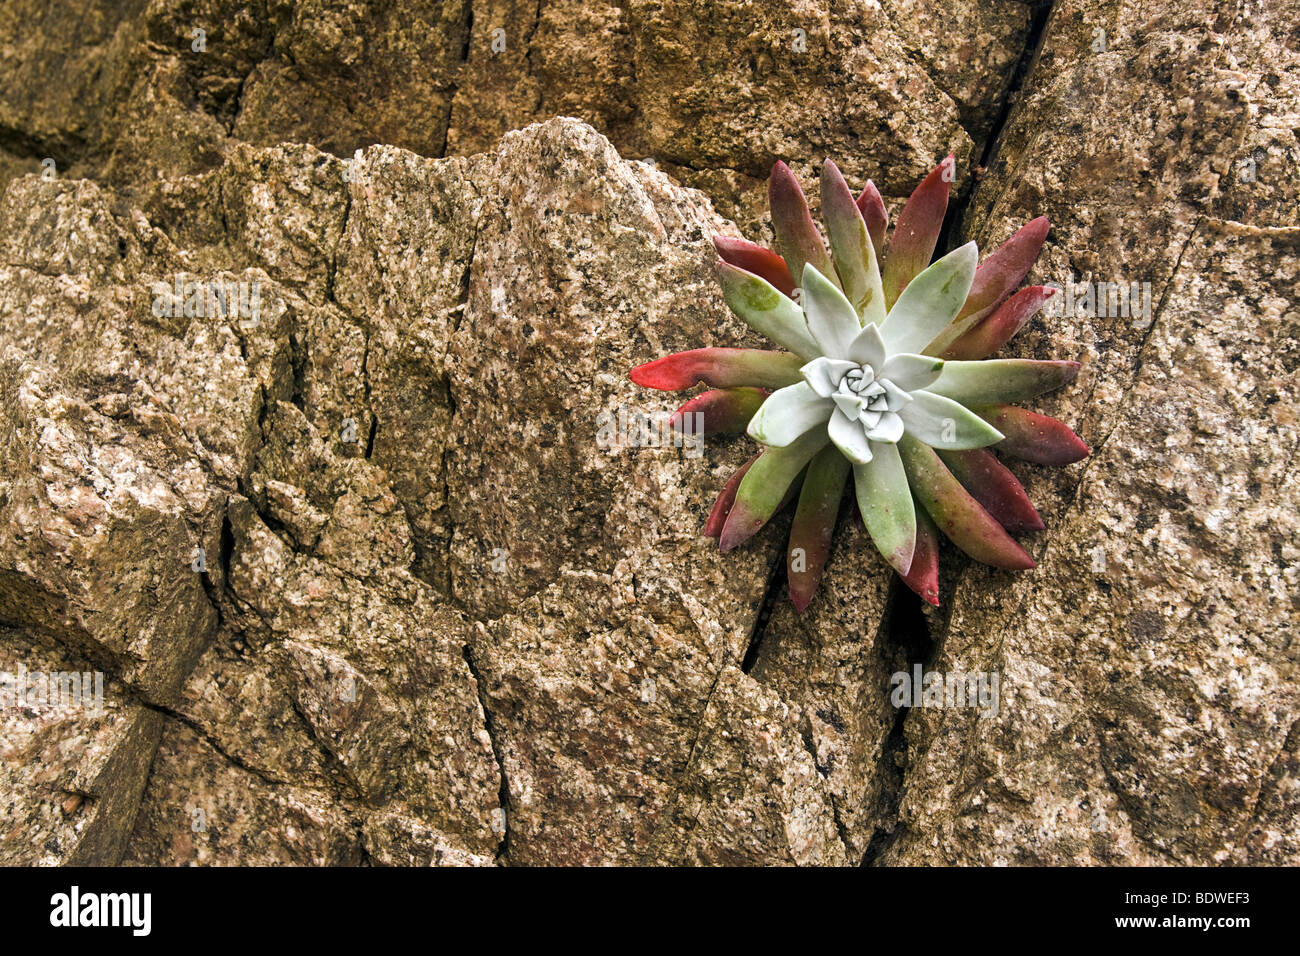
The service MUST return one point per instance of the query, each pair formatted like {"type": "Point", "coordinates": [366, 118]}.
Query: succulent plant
{"type": "Point", "coordinates": [886, 375]}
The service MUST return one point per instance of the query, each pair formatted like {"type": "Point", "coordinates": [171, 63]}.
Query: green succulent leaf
{"type": "Point", "coordinates": [916, 234]}
{"type": "Point", "coordinates": [726, 498]}
{"type": "Point", "coordinates": [885, 503]}
{"type": "Point", "coordinates": [995, 381]}
{"type": "Point", "coordinates": [993, 485]}
{"type": "Point", "coordinates": [942, 423]}
{"type": "Point", "coordinates": [909, 370]}
{"type": "Point", "coordinates": [851, 247]}
{"type": "Point", "coordinates": [832, 320]}
{"type": "Point", "coordinates": [765, 310]}
{"type": "Point", "coordinates": [788, 413]}
{"type": "Point", "coordinates": [814, 524]}
{"type": "Point", "coordinates": [958, 515]}
{"type": "Point", "coordinates": [996, 278]}
{"type": "Point", "coordinates": [850, 439]}
{"type": "Point", "coordinates": [764, 487]}
{"type": "Point", "coordinates": [797, 238]}
{"type": "Point", "coordinates": [930, 302]}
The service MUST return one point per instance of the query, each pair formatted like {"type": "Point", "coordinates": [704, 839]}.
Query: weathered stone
{"type": "Point", "coordinates": [367, 565]}
{"type": "Point", "coordinates": [1148, 695]}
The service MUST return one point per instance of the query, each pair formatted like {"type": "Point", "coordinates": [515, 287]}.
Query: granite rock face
{"type": "Point", "coordinates": [308, 373]}
{"type": "Point", "coordinates": [714, 92]}
{"type": "Point", "coordinates": [1148, 665]}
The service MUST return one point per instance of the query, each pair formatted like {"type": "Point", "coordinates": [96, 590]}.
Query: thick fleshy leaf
{"type": "Point", "coordinates": [994, 487]}
{"type": "Point", "coordinates": [719, 368]}
{"type": "Point", "coordinates": [923, 576]}
{"type": "Point", "coordinates": [726, 498]}
{"type": "Point", "coordinates": [996, 330]}
{"type": "Point", "coordinates": [796, 236]}
{"type": "Point", "coordinates": [824, 374]}
{"type": "Point", "coordinates": [997, 277]}
{"type": "Point", "coordinates": [868, 348]}
{"type": "Point", "coordinates": [814, 524]}
{"type": "Point", "coordinates": [849, 438]}
{"type": "Point", "coordinates": [889, 429]}
{"type": "Point", "coordinates": [726, 411]}
{"type": "Point", "coordinates": [761, 261]}
{"type": "Point", "coordinates": [886, 505]}
{"type": "Point", "coordinates": [909, 371]}
{"type": "Point", "coordinates": [765, 310]}
{"type": "Point", "coordinates": [874, 214]}
{"type": "Point", "coordinates": [994, 381]}
{"type": "Point", "coordinates": [930, 301]}
{"type": "Point", "coordinates": [788, 413]}
{"type": "Point", "coordinates": [1033, 437]}
{"type": "Point", "coordinates": [765, 486]}
{"type": "Point", "coordinates": [957, 514]}
{"type": "Point", "coordinates": [942, 423]}
{"type": "Point", "coordinates": [831, 319]}
{"type": "Point", "coordinates": [851, 246]}
{"type": "Point", "coordinates": [916, 234]}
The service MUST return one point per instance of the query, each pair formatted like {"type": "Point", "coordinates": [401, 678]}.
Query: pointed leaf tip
{"type": "Point", "coordinates": [720, 368]}
{"type": "Point", "coordinates": [814, 525]}
{"type": "Point", "coordinates": [996, 489]}
{"type": "Point", "coordinates": [797, 239]}
{"type": "Point", "coordinates": [923, 576]}
{"type": "Point", "coordinates": [1034, 437]}
{"type": "Point", "coordinates": [761, 261]}
{"type": "Point", "coordinates": [726, 498]}
{"type": "Point", "coordinates": [872, 206]}
{"type": "Point", "coordinates": [764, 488]}
{"type": "Point", "coordinates": [956, 512]}
{"type": "Point", "coordinates": [997, 277]}
{"type": "Point", "coordinates": [917, 233]}
{"type": "Point", "coordinates": [993, 332]}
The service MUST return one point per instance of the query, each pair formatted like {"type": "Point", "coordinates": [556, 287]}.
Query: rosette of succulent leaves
{"type": "Point", "coordinates": [883, 371]}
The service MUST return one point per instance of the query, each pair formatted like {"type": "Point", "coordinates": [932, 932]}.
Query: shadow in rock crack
{"type": "Point", "coordinates": [905, 641]}
{"type": "Point", "coordinates": [775, 590]}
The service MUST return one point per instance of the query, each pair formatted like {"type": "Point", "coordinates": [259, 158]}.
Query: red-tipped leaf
{"type": "Point", "coordinates": [726, 498]}
{"type": "Point", "coordinates": [719, 368]}
{"type": "Point", "coordinates": [797, 238]}
{"type": "Point", "coordinates": [725, 411]}
{"type": "Point", "coordinates": [761, 261]}
{"type": "Point", "coordinates": [814, 524]}
{"type": "Point", "coordinates": [1033, 437]}
{"type": "Point", "coordinates": [994, 487]}
{"type": "Point", "coordinates": [766, 485]}
{"type": "Point", "coordinates": [923, 576]}
{"type": "Point", "coordinates": [872, 207]}
{"type": "Point", "coordinates": [995, 279]}
{"type": "Point", "coordinates": [995, 331]}
{"type": "Point", "coordinates": [917, 231]}
{"type": "Point", "coordinates": [956, 513]}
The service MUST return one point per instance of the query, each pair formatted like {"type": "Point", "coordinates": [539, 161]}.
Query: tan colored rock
{"type": "Point", "coordinates": [440, 621]}
{"type": "Point", "coordinates": [1148, 691]}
